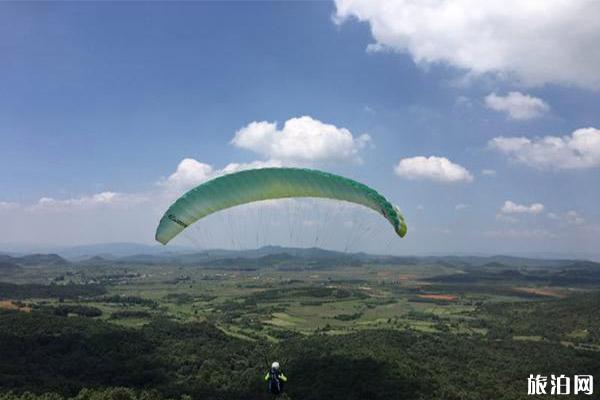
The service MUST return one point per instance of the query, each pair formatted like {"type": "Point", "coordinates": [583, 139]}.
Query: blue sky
{"type": "Point", "coordinates": [101, 102]}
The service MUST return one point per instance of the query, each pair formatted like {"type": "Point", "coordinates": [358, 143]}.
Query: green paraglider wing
{"type": "Point", "coordinates": [270, 183]}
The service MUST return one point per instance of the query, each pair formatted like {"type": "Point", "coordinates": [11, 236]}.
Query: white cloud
{"type": "Point", "coordinates": [7, 205]}
{"type": "Point", "coordinates": [191, 172]}
{"type": "Point", "coordinates": [302, 140]}
{"type": "Point", "coordinates": [571, 217]}
{"type": "Point", "coordinates": [95, 199]}
{"type": "Point", "coordinates": [574, 218]}
{"type": "Point", "coordinates": [235, 167]}
{"type": "Point", "coordinates": [510, 207]}
{"type": "Point", "coordinates": [506, 218]}
{"type": "Point", "coordinates": [517, 105]}
{"type": "Point", "coordinates": [536, 42]}
{"type": "Point", "coordinates": [520, 233]}
{"type": "Point", "coordinates": [552, 215]}
{"type": "Point", "coordinates": [580, 150]}
{"type": "Point", "coordinates": [488, 172]}
{"type": "Point", "coordinates": [438, 169]}
{"type": "Point", "coordinates": [461, 206]}
{"type": "Point", "coordinates": [88, 201]}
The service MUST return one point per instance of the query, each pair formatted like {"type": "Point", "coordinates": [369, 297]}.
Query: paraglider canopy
{"type": "Point", "coordinates": [270, 183]}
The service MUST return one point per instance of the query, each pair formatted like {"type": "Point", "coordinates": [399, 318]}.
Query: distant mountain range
{"type": "Point", "coordinates": [31, 260]}
{"type": "Point", "coordinates": [282, 257]}
{"type": "Point", "coordinates": [111, 251]}
{"type": "Point", "coordinates": [106, 250]}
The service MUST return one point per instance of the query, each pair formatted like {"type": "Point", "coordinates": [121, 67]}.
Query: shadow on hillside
{"type": "Point", "coordinates": [338, 377]}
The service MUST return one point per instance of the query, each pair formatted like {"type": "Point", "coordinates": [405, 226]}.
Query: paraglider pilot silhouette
{"type": "Point", "coordinates": [276, 379]}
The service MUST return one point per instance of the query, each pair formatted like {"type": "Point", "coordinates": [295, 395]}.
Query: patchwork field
{"type": "Point", "coordinates": [272, 301]}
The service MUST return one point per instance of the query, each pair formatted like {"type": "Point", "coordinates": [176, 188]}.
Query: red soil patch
{"type": "Point", "coordinates": [447, 297]}
{"type": "Point", "coordinates": [9, 305]}
{"type": "Point", "coordinates": [543, 292]}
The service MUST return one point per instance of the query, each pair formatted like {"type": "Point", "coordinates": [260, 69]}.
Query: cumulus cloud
{"type": "Point", "coordinates": [579, 150]}
{"type": "Point", "coordinates": [191, 172]}
{"type": "Point", "coordinates": [488, 172]}
{"type": "Point", "coordinates": [433, 168]}
{"type": "Point", "coordinates": [302, 140]}
{"type": "Point", "coordinates": [517, 105]}
{"type": "Point", "coordinates": [461, 206]}
{"type": "Point", "coordinates": [535, 42]}
{"type": "Point", "coordinates": [510, 207]}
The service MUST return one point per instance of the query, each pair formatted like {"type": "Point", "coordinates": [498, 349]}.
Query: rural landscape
{"type": "Point", "coordinates": [349, 326]}
{"type": "Point", "coordinates": [300, 200]}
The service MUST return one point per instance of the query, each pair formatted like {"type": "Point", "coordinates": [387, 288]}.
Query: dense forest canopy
{"type": "Point", "coordinates": [46, 353]}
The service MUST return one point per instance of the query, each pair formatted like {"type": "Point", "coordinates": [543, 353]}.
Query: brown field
{"type": "Point", "coordinates": [447, 297]}
{"type": "Point", "coordinates": [9, 305]}
{"type": "Point", "coordinates": [550, 292]}
{"type": "Point", "coordinates": [407, 277]}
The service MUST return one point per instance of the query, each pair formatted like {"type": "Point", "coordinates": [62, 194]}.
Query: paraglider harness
{"type": "Point", "coordinates": [276, 380]}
